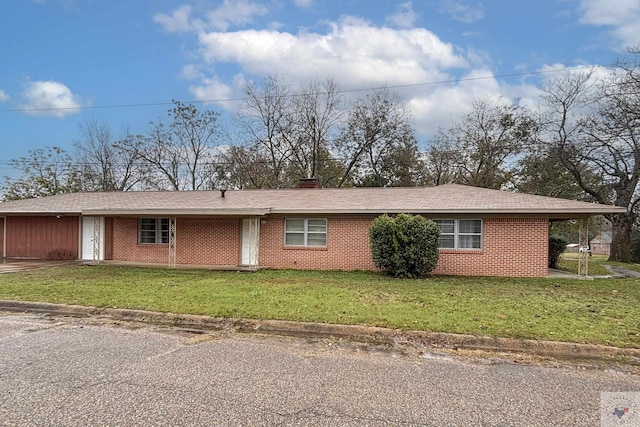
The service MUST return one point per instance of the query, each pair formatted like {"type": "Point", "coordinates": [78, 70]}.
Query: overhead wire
{"type": "Point", "coordinates": [367, 89]}
{"type": "Point", "coordinates": [12, 164]}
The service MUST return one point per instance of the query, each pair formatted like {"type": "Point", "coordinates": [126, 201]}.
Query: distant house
{"type": "Point", "coordinates": [601, 243]}
{"type": "Point", "coordinates": [483, 232]}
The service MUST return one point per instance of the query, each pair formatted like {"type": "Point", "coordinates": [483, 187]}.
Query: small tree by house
{"type": "Point", "coordinates": [557, 246]}
{"type": "Point", "coordinates": [404, 246]}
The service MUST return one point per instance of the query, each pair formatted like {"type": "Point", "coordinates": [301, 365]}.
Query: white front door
{"type": "Point", "coordinates": [249, 254]}
{"type": "Point", "coordinates": [89, 234]}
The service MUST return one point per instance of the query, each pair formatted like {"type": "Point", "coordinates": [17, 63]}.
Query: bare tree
{"type": "Point", "coordinates": [594, 129]}
{"type": "Point", "coordinates": [315, 115]}
{"type": "Point", "coordinates": [107, 165]}
{"type": "Point", "coordinates": [484, 145]}
{"type": "Point", "coordinates": [44, 172]}
{"type": "Point", "coordinates": [542, 172]}
{"type": "Point", "coordinates": [245, 168]}
{"type": "Point", "coordinates": [263, 120]}
{"type": "Point", "coordinates": [441, 163]}
{"type": "Point", "coordinates": [293, 130]}
{"type": "Point", "coordinates": [181, 153]}
{"type": "Point", "coordinates": [377, 125]}
{"type": "Point", "coordinates": [614, 138]}
{"type": "Point", "coordinates": [402, 166]}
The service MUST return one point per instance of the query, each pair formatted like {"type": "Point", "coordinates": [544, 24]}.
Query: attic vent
{"type": "Point", "coordinates": [309, 183]}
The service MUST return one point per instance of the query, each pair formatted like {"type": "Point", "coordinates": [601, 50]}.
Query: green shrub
{"type": "Point", "coordinates": [404, 246]}
{"type": "Point", "coordinates": [557, 246]}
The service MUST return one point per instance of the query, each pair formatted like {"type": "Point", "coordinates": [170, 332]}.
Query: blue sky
{"type": "Point", "coordinates": [64, 62]}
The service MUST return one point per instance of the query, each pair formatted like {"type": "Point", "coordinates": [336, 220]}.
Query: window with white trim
{"type": "Point", "coordinates": [305, 232]}
{"type": "Point", "coordinates": [153, 230]}
{"type": "Point", "coordinates": [460, 233]}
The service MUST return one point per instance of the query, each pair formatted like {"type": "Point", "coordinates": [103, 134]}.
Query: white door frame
{"type": "Point", "coordinates": [92, 229]}
{"type": "Point", "coordinates": [249, 241]}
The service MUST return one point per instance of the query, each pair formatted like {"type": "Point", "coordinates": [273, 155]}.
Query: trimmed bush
{"type": "Point", "coordinates": [557, 246]}
{"type": "Point", "coordinates": [404, 246]}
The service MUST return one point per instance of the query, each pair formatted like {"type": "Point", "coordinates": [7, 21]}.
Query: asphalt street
{"type": "Point", "coordinates": [86, 372]}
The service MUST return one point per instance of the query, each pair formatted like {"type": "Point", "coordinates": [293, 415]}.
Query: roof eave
{"type": "Point", "coordinates": [40, 213]}
{"type": "Point", "coordinates": [175, 212]}
{"type": "Point", "coordinates": [546, 212]}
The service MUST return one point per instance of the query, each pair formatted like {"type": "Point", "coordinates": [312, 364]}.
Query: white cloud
{"type": "Point", "coordinates": [557, 70]}
{"type": "Point", "coordinates": [405, 17]}
{"type": "Point", "coordinates": [229, 13]}
{"type": "Point", "coordinates": [361, 54]}
{"type": "Point", "coordinates": [357, 55]}
{"type": "Point", "coordinates": [304, 4]}
{"type": "Point", "coordinates": [235, 12]}
{"type": "Point", "coordinates": [190, 72]}
{"type": "Point", "coordinates": [461, 12]}
{"type": "Point", "coordinates": [178, 21]}
{"type": "Point", "coordinates": [612, 12]}
{"type": "Point", "coordinates": [438, 106]}
{"type": "Point", "coordinates": [211, 89]}
{"type": "Point", "coordinates": [3, 96]}
{"type": "Point", "coordinates": [50, 98]}
{"type": "Point", "coordinates": [622, 16]}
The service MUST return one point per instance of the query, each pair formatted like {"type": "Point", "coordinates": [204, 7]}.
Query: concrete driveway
{"type": "Point", "coordinates": [12, 265]}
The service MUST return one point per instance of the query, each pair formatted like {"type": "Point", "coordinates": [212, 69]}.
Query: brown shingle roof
{"type": "Point", "coordinates": [449, 199]}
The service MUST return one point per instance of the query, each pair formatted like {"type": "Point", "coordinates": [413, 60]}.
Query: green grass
{"type": "Point", "coordinates": [604, 311]}
{"type": "Point", "coordinates": [569, 262]}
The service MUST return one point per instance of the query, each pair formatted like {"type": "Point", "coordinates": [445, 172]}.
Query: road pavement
{"type": "Point", "coordinates": [80, 372]}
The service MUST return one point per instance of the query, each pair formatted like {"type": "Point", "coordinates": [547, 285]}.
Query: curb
{"type": "Point", "coordinates": [418, 339]}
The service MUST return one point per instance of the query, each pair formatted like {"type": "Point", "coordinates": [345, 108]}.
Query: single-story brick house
{"type": "Point", "coordinates": [483, 232]}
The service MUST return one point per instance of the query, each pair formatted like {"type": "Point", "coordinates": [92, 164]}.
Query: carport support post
{"type": "Point", "coordinates": [172, 242]}
{"type": "Point", "coordinates": [254, 236]}
{"type": "Point", "coordinates": [583, 247]}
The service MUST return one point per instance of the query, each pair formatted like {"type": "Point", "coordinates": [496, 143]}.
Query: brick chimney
{"type": "Point", "coordinates": [309, 183]}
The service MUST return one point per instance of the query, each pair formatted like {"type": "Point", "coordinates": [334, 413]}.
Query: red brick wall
{"type": "Point", "coordinates": [3, 248]}
{"type": "Point", "coordinates": [108, 238]}
{"type": "Point", "coordinates": [511, 246]}
{"type": "Point", "coordinates": [208, 241]}
{"type": "Point", "coordinates": [200, 241]}
{"type": "Point", "coordinates": [347, 246]}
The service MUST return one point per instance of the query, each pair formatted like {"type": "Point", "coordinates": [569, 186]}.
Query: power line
{"type": "Point", "coordinates": [14, 164]}
{"type": "Point", "coordinates": [438, 82]}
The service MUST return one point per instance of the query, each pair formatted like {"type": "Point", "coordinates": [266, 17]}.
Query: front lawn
{"type": "Point", "coordinates": [603, 311]}
{"type": "Point", "coordinates": [569, 262]}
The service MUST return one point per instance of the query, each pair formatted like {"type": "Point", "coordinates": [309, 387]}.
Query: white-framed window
{"type": "Point", "coordinates": [153, 230]}
{"type": "Point", "coordinates": [460, 233]}
{"type": "Point", "coordinates": [305, 232]}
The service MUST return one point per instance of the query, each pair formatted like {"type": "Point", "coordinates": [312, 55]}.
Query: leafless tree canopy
{"type": "Point", "coordinates": [178, 156]}
{"type": "Point", "coordinates": [482, 148]}
{"type": "Point", "coordinates": [592, 128]}
{"type": "Point", "coordinates": [106, 165]}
